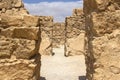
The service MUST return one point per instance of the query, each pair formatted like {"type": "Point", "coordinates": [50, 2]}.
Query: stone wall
{"type": "Point", "coordinates": [19, 42]}
{"type": "Point", "coordinates": [58, 34]}
{"type": "Point", "coordinates": [20, 37]}
{"type": "Point", "coordinates": [103, 33]}
{"type": "Point", "coordinates": [75, 33]}
{"type": "Point", "coordinates": [46, 35]}
{"type": "Point", "coordinates": [12, 7]}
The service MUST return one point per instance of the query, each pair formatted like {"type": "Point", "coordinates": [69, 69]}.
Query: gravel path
{"type": "Point", "coordinates": [58, 67]}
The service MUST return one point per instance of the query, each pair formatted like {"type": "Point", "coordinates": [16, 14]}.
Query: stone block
{"type": "Point", "coordinates": [26, 33]}
{"type": "Point", "coordinates": [20, 69]}
{"type": "Point", "coordinates": [77, 12]}
{"type": "Point", "coordinates": [46, 44]}
{"type": "Point", "coordinates": [75, 45]}
{"type": "Point", "coordinates": [31, 20]}
{"type": "Point", "coordinates": [20, 48]}
{"type": "Point", "coordinates": [8, 4]}
{"type": "Point", "coordinates": [8, 21]}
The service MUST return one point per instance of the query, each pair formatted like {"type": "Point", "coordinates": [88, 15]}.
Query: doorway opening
{"type": "Point", "coordinates": [62, 46]}
{"type": "Point", "coordinates": [67, 61]}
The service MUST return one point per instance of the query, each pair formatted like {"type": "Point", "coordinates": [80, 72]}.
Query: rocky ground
{"type": "Point", "coordinates": [58, 67]}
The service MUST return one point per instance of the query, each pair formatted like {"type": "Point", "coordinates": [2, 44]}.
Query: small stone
{"type": "Point", "coordinates": [18, 4]}
{"type": "Point", "coordinates": [32, 65]}
{"type": "Point", "coordinates": [115, 70]}
{"type": "Point", "coordinates": [9, 12]}
{"type": "Point", "coordinates": [3, 10]}
{"type": "Point", "coordinates": [7, 64]}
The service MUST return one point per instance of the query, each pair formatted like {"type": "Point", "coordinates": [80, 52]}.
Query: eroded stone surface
{"type": "Point", "coordinates": [75, 46]}
{"type": "Point", "coordinates": [46, 35]}
{"type": "Point", "coordinates": [46, 44]}
{"type": "Point", "coordinates": [19, 42]}
{"type": "Point", "coordinates": [103, 30]}
{"type": "Point", "coordinates": [58, 34]}
{"type": "Point", "coordinates": [75, 33]}
{"type": "Point", "coordinates": [20, 69]}
{"type": "Point", "coordinates": [26, 33]}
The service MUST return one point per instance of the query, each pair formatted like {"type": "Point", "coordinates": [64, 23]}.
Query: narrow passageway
{"type": "Point", "coordinates": [59, 67]}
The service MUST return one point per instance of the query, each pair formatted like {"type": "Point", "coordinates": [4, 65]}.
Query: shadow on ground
{"type": "Point", "coordinates": [42, 78]}
{"type": "Point", "coordinates": [82, 77]}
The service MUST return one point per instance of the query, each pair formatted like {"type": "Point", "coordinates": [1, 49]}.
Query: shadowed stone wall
{"type": "Point", "coordinates": [103, 32]}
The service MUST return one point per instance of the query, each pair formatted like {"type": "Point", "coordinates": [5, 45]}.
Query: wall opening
{"type": "Point", "coordinates": [66, 60]}
{"type": "Point", "coordinates": [62, 46]}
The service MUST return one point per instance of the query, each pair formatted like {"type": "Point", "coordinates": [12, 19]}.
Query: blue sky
{"type": "Point", "coordinates": [59, 9]}
{"type": "Point", "coordinates": [36, 1]}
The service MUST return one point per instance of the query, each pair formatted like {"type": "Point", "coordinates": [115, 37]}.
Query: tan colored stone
{"type": "Point", "coordinates": [75, 45]}
{"type": "Point", "coordinates": [58, 36]}
{"type": "Point", "coordinates": [19, 69]}
{"type": "Point", "coordinates": [9, 12]}
{"type": "Point", "coordinates": [77, 12]}
{"type": "Point", "coordinates": [20, 48]}
{"type": "Point", "coordinates": [19, 42]}
{"type": "Point", "coordinates": [106, 24]}
{"type": "Point", "coordinates": [18, 3]}
{"type": "Point", "coordinates": [46, 44]}
{"type": "Point", "coordinates": [75, 33]}
{"type": "Point", "coordinates": [7, 32]}
{"type": "Point", "coordinates": [46, 23]}
{"type": "Point", "coordinates": [24, 49]}
{"type": "Point", "coordinates": [115, 70]}
{"type": "Point", "coordinates": [31, 20]}
{"type": "Point", "coordinates": [5, 49]}
{"type": "Point", "coordinates": [8, 4]}
{"type": "Point", "coordinates": [26, 33]}
{"type": "Point", "coordinates": [103, 34]}
{"type": "Point", "coordinates": [8, 21]}
{"type": "Point", "coordinates": [3, 10]}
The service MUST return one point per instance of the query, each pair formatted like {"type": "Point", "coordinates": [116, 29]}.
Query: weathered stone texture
{"type": "Point", "coordinates": [75, 33]}
{"type": "Point", "coordinates": [12, 7]}
{"type": "Point", "coordinates": [18, 21]}
{"type": "Point", "coordinates": [58, 34]}
{"type": "Point", "coordinates": [21, 48]}
{"type": "Point", "coordinates": [31, 20]}
{"type": "Point", "coordinates": [26, 33]}
{"type": "Point", "coordinates": [20, 69]}
{"type": "Point", "coordinates": [46, 35]}
{"type": "Point", "coordinates": [19, 43]}
{"type": "Point", "coordinates": [77, 12]}
{"type": "Point", "coordinates": [103, 32]}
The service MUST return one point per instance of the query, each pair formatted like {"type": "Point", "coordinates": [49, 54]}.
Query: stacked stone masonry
{"type": "Point", "coordinates": [58, 37]}
{"type": "Point", "coordinates": [103, 33]}
{"type": "Point", "coordinates": [19, 42]}
{"type": "Point", "coordinates": [20, 37]}
{"type": "Point", "coordinates": [46, 35]}
{"type": "Point", "coordinates": [70, 34]}
{"type": "Point", "coordinates": [75, 33]}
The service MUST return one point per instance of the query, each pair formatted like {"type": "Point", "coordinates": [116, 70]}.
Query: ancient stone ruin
{"type": "Point", "coordinates": [46, 23]}
{"type": "Point", "coordinates": [19, 42]}
{"type": "Point", "coordinates": [102, 23]}
{"type": "Point", "coordinates": [69, 34]}
{"type": "Point", "coordinates": [58, 37]}
{"type": "Point", "coordinates": [75, 33]}
{"type": "Point", "coordinates": [93, 32]}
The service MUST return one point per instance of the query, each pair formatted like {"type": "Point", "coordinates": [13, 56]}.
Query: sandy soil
{"type": "Point", "coordinates": [58, 67]}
